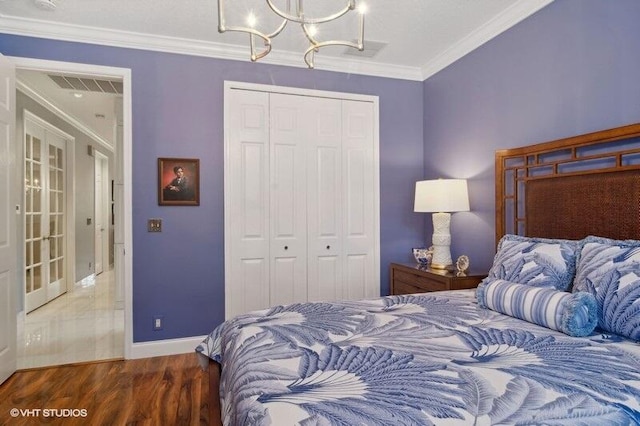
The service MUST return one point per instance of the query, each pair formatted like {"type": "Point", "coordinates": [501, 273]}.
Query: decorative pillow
{"type": "Point", "coordinates": [610, 270]}
{"type": "Point", "coordinates": [575, 314]}
{"type": "Point", "coordinates": [538, 262]}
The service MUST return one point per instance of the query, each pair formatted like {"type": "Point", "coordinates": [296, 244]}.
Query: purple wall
{"type": "Point", "coordinates": [177, 112]}
{"type": "Point", "coordinates": [571, 68]}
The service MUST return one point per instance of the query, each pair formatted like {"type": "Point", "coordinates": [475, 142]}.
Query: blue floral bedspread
{"type": "Point", "coordinates": [424, 359]}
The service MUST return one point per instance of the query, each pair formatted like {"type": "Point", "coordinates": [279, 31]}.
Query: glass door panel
{"type": "Point", "coordinates": [35, 292]}
{"type": "Point", "coordinates": [56, 218]}
{"type": "Point", "coordinates": [44, 215]}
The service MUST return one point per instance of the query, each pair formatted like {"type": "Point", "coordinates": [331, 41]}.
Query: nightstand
{"type": "Point", "coordinates": [407, 279]}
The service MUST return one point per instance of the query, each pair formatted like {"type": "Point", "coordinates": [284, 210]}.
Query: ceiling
{"type": "Point", "coordinates": [415, 38]}
{"type": "Point", "coordinates": [88, 103]}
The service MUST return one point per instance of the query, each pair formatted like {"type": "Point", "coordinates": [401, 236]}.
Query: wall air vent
{"type": "Point", "coordinates": [87, 84]}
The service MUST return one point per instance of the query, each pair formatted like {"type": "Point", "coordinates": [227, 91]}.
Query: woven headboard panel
{"type": "Point", "coordinates": [571, 188]}
{"type": "Point", "coordinates": [572, 207]}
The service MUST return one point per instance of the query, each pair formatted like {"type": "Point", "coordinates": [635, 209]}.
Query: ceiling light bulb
{"type": "Point", "coordinates": [362, 8]}
{"type": "Point", "coordinates": [251, 20]}
{"type": "Point", "coordinates": [313, 30]}
{"type": "Point", "coordinates": [77, 95]}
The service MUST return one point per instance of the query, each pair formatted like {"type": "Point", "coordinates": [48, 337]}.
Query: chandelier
{"type": "Point", "coordinates": [308, 24]}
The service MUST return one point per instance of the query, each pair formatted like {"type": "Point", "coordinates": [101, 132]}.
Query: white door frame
{"type": "Point", "coordinates": [69, 234]}
{"type": "Point", "coordinates": [123, 180]}
{"type": "Point", "coordinates": [9, 197]}
{"type": "Point", "coordinates": [102, 161]}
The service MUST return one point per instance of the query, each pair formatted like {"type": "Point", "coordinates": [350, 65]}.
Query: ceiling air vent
{"type": "Point", "coordinates": [87, 84]}
{"type": "Point", "coordinates": [371, 49]}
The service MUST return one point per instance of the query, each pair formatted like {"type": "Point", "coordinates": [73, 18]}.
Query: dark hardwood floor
{"type": "Point", "coordinates": [170, 390]}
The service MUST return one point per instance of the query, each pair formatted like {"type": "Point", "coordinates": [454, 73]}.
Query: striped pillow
{"type": "Point", "coordinates": [575, 314]}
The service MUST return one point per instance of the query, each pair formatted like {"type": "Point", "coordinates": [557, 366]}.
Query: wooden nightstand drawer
{"type": "Point", "coordinates": [422, 283]}
{"type": "Point", "coordinates": [408, 279]}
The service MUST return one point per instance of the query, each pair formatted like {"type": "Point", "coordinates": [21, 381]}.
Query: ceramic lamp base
{"type": "Point", "coordinates": [441, 241]}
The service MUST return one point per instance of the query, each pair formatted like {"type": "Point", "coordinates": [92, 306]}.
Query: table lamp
{"type": "Point", "coordinates": [441, 197]}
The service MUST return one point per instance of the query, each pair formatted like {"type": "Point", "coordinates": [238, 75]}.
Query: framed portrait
{"type": "Point", "coordinates": [178, 181]}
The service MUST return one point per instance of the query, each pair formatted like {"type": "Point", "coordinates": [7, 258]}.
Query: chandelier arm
{"type": "Point", "coordinates": [316, 47]}
{"type": "Point", "coordinates": [252, 32]}
{"type": "Point", "coordinates": [278, 30]}
{"type": "Point", "coordinates": [308, 35]}
{"type": "Point", "coordinates": [309, 61]}
{"type": "Point", "coordinates": [351, 5]}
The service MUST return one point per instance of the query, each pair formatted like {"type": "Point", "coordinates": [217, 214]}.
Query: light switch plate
{"type": "Point", "coordinates": [154, 225]}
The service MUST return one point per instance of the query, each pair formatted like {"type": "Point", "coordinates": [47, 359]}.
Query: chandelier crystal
{"type": "Point", "coordinates": [308, 24]}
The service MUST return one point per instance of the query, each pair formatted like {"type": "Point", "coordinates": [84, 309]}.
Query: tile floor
{"type": "Point", "coordinates": [81, 325]}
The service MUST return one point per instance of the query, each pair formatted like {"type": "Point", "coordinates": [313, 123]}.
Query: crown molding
{"type": "Point", "coordinates": [158, 43]}
{"type": "Point", "coordinates": [502, 22]}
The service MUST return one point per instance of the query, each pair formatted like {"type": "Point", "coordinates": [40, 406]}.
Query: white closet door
{"type": "Point", "coordinates": [358, 167]}
{"type": "Point", "coordinates": [288, 247]}
{"type": "Point", "coordinates": [324, 199]}
{"type": "Point", "coordinates": [247, 202]}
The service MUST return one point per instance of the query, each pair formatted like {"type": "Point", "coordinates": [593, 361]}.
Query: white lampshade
{"type": "Point", "coordinates": [441, 195]}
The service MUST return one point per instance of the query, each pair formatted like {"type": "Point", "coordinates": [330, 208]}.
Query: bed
{"type": "Point", "coordinates": [567, 231]}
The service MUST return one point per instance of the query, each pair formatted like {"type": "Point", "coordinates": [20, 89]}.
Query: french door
{"type": "Point", "coordinates": [45, 198]}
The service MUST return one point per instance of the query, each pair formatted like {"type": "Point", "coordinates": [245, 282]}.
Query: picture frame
{"type": "Point", "coordinates": [178, 181]}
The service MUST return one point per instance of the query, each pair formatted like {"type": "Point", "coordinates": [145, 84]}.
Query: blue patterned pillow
{"type": "Point", "coordinates": [610, 270]}
{"type": "Point", "coordinates": [537, 262]}
{"type": "Point", "coordinates": [575, 314]}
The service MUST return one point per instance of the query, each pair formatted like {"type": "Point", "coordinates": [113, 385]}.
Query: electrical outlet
{"type": "Point", "coordinates": [157, 322]}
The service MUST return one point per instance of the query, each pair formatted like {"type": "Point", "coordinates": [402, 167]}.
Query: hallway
{"type": "Point", "coordinates": [79, 326]}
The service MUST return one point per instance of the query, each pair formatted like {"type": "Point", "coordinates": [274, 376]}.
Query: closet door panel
{"type": "Point", "coordinates": [247, 203]}
{"type": "Point", "coordinates": [356, 279]}
{"type": "Point", "coordinates": [358, 165]}
{"type": "Point", "coordinates": [328, 277]}
{"type": "Point", "coordinates": [288, 244]}
{"type": "Point", "coordinates": [324, 200]}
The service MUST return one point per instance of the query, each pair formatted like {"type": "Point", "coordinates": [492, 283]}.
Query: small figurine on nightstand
{"type": "Point", "coordinates": [462, 265]}
{"type": "Point", "coordinates": [423, 255]}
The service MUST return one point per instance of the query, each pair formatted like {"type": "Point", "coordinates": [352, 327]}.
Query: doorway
{"type": "Point", "coordinates": [113, 188]}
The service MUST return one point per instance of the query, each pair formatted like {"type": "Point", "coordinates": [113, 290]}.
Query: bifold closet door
{"type": "Point", "coordinates": [288, 249]}
{"type": "Point", "coordinates": [358, 198]}
{"type": "Point", "coordinates": [324, 199]}
{"type": "Point", "coordinates": [300, 200]}
{"type": "Point", "coordinates": [265, 201]}
{"type": "Point", "coordinates": [341, 200]}
{"type": "Point", "coordinates": [247, 236]}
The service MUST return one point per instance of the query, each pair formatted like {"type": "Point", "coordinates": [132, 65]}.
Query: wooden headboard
{"type": "Point", "coordinates": [571, 188]}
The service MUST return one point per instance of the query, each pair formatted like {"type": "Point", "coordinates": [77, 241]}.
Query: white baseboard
{"type": "Point", "coordinates": [165, 347]}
